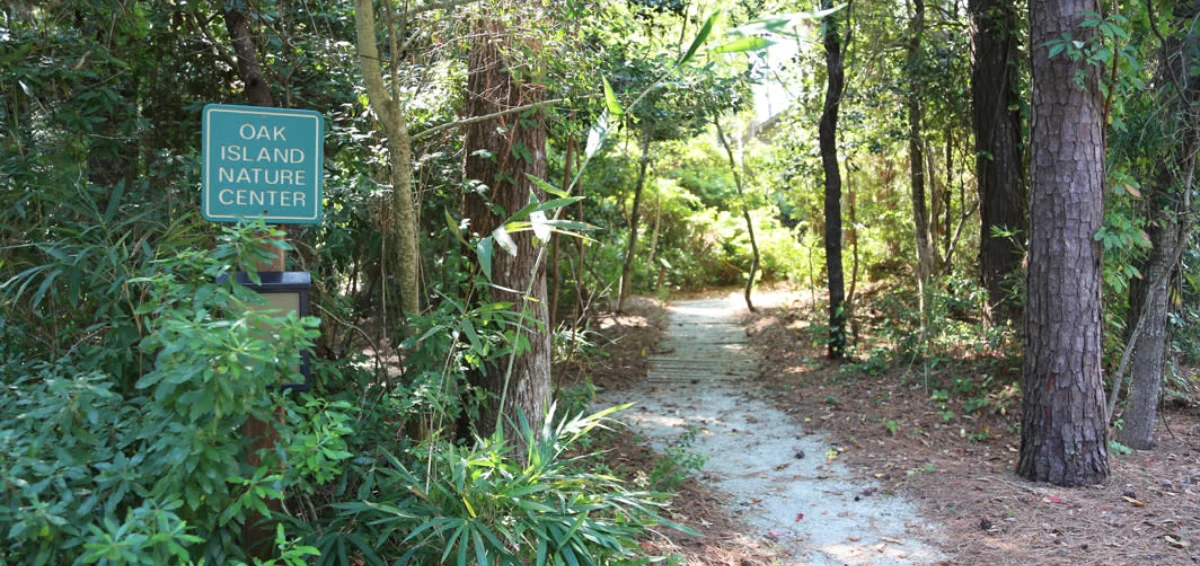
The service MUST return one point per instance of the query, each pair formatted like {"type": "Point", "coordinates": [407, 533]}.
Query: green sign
{"type": "Point", "coordinates": [261, 163]}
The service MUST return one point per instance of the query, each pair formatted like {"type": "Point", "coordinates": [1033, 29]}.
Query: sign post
{"type": "Point", "coordinates": [260, 162]}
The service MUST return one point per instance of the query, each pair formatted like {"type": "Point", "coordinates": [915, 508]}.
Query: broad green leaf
{"type": "Point", "coordinates": [114, 203]}
{"type": "Point", "coordinates": [542, 546]}
{"type": "Point", "coordinates": [571, 225]}
{"type": "Point", "coordinates": [484, 251]}
{"type": "Point", "coordinates": [453, 225]}
{"type": "Point", "coordinates": [610, 100]}
{"type": "Point", "coordinates": [369, 553]}
{"type": "Point", "coordinates": [463, 542]}
{"type": "Point", "coordinates": [530, 207]}
{"type": "Point", "coordinates": [472, 337]}
{"type": "Point", "coordinates": [450, 543]}
{"type": "Point", "coordinates": [546, 186]}
{"type": "Point", "coordinates": [559, 203]}
{"type": "Point", "coordinates": [481, 554]}
{"type": "Point", "coordinates": [45, 286]}
{"type": "Point", "coordinates": [699, 40]}
{"type": "Point", "coordinates": [744, 44]}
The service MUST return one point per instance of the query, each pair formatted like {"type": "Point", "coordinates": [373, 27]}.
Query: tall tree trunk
{"type": "Point", "coordinates": [655, 233]}
{"type": "Point", "coordinates": [852, 233]}
{"type": "Point", "coordinates": [1064, 436]}
{"type": "Point", "coordinates": [835, 83]}
{"type": "Point", "coordinates": [258, 92]}
{"type": "Point", "coordinates": [627, 268]}
{"type": "Point", "coordinates": [400, 225]}
{"type": "Point", "coordinates": [998, 167]}
{"type": "Point", "coordinates": [581, 247]}
{"type": "Point", "coordinates": [737, 181]}
{"type": "Point", "coordinates": [1170, 227]}
{"type": "Point", "coordinates": [520, 384]}
{"type": "Point", "coordinates": [947, 201]}
{"type": "Point", "coordinates": [916, 158]}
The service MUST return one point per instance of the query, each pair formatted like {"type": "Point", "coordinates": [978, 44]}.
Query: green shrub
{"type": "Point", "coordinates": [677, 463]}
{"type": "Point", "coordinates": [483, 505]}
{"type": "Point", "coordinates": [148, 466]}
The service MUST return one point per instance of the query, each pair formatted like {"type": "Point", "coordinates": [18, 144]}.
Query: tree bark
{"type": "Point", "coordinates": [627, 268]}
{"type": "Point", "coordinates": [258, 91]}
{"type": "Point", "coordinates": [835, 83]}
{"type": "Point", "coordinates": [1064, 437]}
{"type": "Point", "coordinates": [947, 201]}
{"type": "Point", "coordinates": [655, 233]}
{"type": "Point", "coordinates": [998, 164]}
{"type": "Point", "coordinates": [581, 302]}
{"type": "Point", "coordinates": [916, 158]}
{"type": "Point", "coordinates": [500, 152]}
{"type": "Point", "coordinates": [852, 205]}
{"type": "Point", "coordinates": [400, 226]}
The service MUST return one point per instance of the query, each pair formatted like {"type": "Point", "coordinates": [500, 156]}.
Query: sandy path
{"type": "Point", "coordinates": [782, 486]}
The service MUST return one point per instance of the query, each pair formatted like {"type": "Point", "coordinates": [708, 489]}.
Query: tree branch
{"type": "Point", "coordinates": [475, 119]}
{"type": "Point", "coordinates": [448, 5]}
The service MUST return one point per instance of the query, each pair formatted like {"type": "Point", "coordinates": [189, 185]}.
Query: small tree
{"type": "Point", "coordinates": [835, 83]}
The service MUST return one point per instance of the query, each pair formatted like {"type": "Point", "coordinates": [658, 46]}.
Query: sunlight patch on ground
{"type": "Point", "coordinates": [623, 320]}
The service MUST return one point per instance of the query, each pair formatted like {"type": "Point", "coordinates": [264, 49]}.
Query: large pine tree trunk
{"type": "Point", "coordinates": [500, 152]}
{"type": "Point", "coordinates": [998, 167]}
{"type": "Point", "coordinates": [827, 134]}
{"type": "Point", "coordinates": [1064, 438]}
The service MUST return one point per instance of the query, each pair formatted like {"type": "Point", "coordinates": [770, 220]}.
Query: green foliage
{"type": "Point", "coordinates": [677, 463]}
{"type": "Point", "coordinates": [478, 505]}
{"type": "Point", "coordinates": [577, 399]}
{"type": "Point", "coordinates": [153, 472]}
{"type": "Point", "coordinates": [1119, 449]}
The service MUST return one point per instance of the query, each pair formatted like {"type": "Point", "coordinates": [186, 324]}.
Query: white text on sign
{"type": "Point", "coordinates": [241, 175]}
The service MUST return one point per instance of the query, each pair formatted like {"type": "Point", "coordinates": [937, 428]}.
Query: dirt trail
{"type": "Point", "coordinates": [777, 472]}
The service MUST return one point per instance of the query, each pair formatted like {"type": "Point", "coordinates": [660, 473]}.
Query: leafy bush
{"type": "Point", "coordinates": [482, 505]}
{"type": "Point", "coordinates": [148, 467]}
